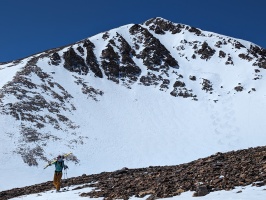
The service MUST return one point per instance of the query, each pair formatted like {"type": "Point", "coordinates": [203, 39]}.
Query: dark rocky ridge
{"type": "Point", "coordinates": [119, 66]}
{"type": "Point", "coordinates": [91, 59]}
{"type": "Point", "coordinates": [74, 62]}
{"type": "Point", "coordinates": [222, 171]}
{"type": "Point", "coordinates": [155, 56]}
{"type": "Point", "coordinates": [160, 25]}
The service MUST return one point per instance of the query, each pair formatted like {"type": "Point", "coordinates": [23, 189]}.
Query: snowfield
{"type": "Point", "coordinates": [141, 126]}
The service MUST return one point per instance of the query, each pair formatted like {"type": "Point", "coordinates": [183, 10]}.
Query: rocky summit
{"type": "Point", "coordinates": [151, 94]}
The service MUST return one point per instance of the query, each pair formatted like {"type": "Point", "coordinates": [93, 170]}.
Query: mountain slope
{"type": "Point", "coordinates": [157, 93]}
{"type": "Point", "coordinates": [222, 171]}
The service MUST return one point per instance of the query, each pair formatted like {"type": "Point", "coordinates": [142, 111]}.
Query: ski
{"type": "Point", "coordinates": [55, 159]}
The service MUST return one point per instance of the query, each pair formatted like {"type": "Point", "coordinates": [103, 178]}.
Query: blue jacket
{"type": "Point", "coordinates": [59, 165]}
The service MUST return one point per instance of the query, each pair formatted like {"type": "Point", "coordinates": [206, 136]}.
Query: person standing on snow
{"type": "Point", "coordinates": [59, 166]}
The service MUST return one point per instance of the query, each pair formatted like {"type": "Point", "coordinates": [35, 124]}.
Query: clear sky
{"type": "Point", "coordinates": [31, 26]}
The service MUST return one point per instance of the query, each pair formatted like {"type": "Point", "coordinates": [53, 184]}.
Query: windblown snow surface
{"type": "Point", "coordinates": [143, 126]}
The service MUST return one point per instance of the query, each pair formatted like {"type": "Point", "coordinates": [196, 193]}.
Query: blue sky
{"type": "Point", "coordinates": [31, 26]}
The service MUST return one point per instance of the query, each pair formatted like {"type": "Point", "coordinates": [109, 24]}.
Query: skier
{"type": "Point", "coordinates": [59, 166]}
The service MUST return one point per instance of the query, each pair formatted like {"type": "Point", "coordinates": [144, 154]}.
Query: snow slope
{"type": "Point", "coordinates": [136, 127]}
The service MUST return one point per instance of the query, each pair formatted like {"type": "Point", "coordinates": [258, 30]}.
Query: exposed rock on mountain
{"type": "Point", "coordinates": [159, 26]}
{"type": "Point", "coordinates": [91, 59]}
{"type": "Point", "coordinates": [74, 62]}
{"type": "Point", "coordinates": [206, 51]}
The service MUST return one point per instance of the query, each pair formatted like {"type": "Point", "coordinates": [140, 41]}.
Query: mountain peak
{"type": "Point", "coordinates": [156, 20]}
{"type": "Point", "coordinates": [159, 25]}
{"type": "Point", "coordinates": [166, 83]}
